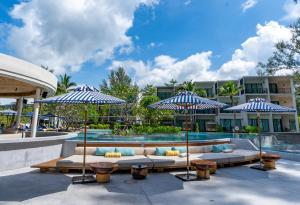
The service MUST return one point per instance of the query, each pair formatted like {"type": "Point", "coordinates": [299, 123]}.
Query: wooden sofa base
{"type": "Point", "coordinates": [51, 166]}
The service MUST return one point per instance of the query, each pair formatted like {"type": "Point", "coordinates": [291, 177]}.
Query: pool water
{"type": "Point", "coordinates": [106, 136]}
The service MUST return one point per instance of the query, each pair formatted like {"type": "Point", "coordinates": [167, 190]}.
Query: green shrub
{"type": "Point", "coordinates": [197, 129]}
{"type": "Point", "coordinates": [251, 129]}
{"type": "Point", "coordinates": [142, 129]}
{"type": "Point", "coordinates": [219, 128]}
{"type": "Point", "coordinates": [99, 126]}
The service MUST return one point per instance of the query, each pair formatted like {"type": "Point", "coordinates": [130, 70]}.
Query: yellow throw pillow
{"type": "Point", "coordinates": [113, 154]}
{"type": "Point", "coordinates": [172, 153]}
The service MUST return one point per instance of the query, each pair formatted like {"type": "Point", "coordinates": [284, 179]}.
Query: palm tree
{"type": "Point", "coordinates": [191, 86]}
{"type": "Point", "coordinates": [172, 83]}
{"type": "Point", "coordinates": [64, 84]}
{"type": "Point", "coordinates": [230, 89]}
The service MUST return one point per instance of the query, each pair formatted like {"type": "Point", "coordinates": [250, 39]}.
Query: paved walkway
{"type": "Point", "coordinates": [230, 186]}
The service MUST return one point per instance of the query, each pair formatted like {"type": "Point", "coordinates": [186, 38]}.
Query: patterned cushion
{"type": "Point", "coordinates": [172, 152]}
{"type": "Point", "coordinates": [113, 154]}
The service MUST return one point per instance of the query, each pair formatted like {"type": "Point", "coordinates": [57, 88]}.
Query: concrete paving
{"type": "Point", "coordinates": [230, 186]}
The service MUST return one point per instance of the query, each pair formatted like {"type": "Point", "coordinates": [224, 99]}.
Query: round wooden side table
{"type": "Point", "coordinates": [203, 168]}
{"type": "Point", "coordinates": [103, 171]}
{"type": "Point", "coordinates": [139, 171]}
{"type": "Point", "coordinates": [211, 164]}
{"type": "Point", "coordinates": [269, 160]}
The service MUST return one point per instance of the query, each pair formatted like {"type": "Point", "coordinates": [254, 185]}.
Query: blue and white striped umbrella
{"type": "Point", "coordinates": [83, 95]}
{"type": "Point", "coordinates": [187, 100]}
{"type": "Point", "coordinates": [8, 112]}
{"type": "Point", "coordinates": [260, 105]}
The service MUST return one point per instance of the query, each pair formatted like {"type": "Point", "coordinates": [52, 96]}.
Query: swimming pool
{"type": "Point", "coordinates": [106, 136]}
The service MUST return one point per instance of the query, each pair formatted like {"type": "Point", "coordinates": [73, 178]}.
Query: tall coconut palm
{"type": "Point", "coordinates": [64, 84]}
{"type": "Point", "coordinates": [191, 86]}
{"type": "Point", "coordinates": [230, 89]}
{"type": "Point", "coordinates": [172, 83]}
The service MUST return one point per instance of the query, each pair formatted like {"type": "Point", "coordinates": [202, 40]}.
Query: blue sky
{"type": "Point", "coordinates": [154, 40]}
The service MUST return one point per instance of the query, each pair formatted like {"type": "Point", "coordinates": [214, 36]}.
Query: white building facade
{"type": "Point", "coordinates": [276, 89]}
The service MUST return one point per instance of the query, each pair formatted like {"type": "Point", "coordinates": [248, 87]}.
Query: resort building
{"type": "Point", "coordinates": [275, 89]}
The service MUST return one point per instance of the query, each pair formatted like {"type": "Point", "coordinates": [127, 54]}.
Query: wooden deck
{"type": "Point", "coordinates": [47, 166]}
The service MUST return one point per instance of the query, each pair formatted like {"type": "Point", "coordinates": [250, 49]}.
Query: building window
{"type": "Point", "coordinates": [292, 125]}
{"type": "Point", "coordinates": [209, 92]}
{"type": "Point", "coordinates": [273, 88]}
{"type": "Point", "coordinates": [264, 124]}
{"type": "Point", "coordinates": [228, 124]}
{"type": "Point", "coordinates": [254, 88]}
{"type": "Point", "coordinates": [277, 124]}
{"type": "Point", "coordinates": [275, 102]}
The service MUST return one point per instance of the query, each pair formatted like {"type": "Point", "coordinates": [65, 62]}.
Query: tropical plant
{"type": "Point", "coordinates": [172, 83]}
{"type": "Point", "coordinates": [145, 129]}
{"type": "Point", "coordinates": [64, 83]}
{"type": "Point", "coordinates": [251, 129]}
{"type": "Point", "coordinates": [120, 85]}
{"type": "Point", "coordinates": [230, 89]}
{"type": "Point", "coordinates": [191, 86]}
{"type": "Point", "coordinates": [149, 90]}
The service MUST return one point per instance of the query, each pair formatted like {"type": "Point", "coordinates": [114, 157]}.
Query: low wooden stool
{"type": "Point", "coordinates": [203, 168]}
{"type": "Point", "coordinates": [103, 171]}
{"type": "Point", "coordinates": [212, 165]}
{"type": "Point", "coordinates": [269, 160]}
{"type": "Point", "coordinates": [139, 171]}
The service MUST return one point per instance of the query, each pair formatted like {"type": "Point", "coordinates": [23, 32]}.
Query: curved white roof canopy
{"type": "Point", "coordinates": [21, 78]}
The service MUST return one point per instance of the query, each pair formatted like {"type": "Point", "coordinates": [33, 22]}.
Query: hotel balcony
{"type": "Point", "coordinates": [281, 90]}
{"type": "Point", "coordinates": [256, 91]}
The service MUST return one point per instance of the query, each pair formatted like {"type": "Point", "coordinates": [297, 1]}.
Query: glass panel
{"type": "Point", "coordinates": [277, 124]}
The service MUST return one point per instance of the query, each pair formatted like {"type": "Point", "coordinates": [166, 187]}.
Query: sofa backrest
{"type": "Point", "coordinates": [150, 150]}
{"type": "Point", "coordinates": [92, 150]}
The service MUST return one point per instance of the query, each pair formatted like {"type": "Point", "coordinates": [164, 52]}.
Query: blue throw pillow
{"type": "Point", "coordinates": [217, 148]}
{"type": "Point", "coordinates": [161, 151]}
{"type": "Point", "coordinates": [180, 149]}
{"type": "Point", "coordinates": [100, 151]}
{"type": "Point", "coordinates": [227, 146]}
{"type": "Point", "coordinates": [125, 151]}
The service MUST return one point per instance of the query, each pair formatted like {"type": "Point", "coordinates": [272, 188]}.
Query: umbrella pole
{"type": "Point", "coordinates": [84, 143]}
{"type": "Point", "coordinates": [84, 178]}
{"type": "Point", "coordinates": [259, 138]}
{"type": "Point", "coordinates": [187, 147]}
{"type": "Point", "coordinates": [260, 165]}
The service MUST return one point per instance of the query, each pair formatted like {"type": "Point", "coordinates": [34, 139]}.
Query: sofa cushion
{"type": "Point", "coordinates": [160, 161]}
{"type": "Point", "coordinates": [217, 148]}
{"type": "Point", "coordinates": [125, 151]}
{"type": "Point", "coordinates": [101, 151]}
{"type": "Point", "coordinates": [113, 154]}
{"type": "Point", "coordinates": [76, 161]}
{"type": "Point", "coordinates": [89, 150]}
{"type": "Point", "coordinates": [150, 151]}
{"type": "Point", "coordinates": [180, 149]}
{"type": "Point", "coordinates": [172, 152]}
{"type": "Point", "coordinates": [128, 161]}
{"type": "Point", "coordinates": [161, 151]}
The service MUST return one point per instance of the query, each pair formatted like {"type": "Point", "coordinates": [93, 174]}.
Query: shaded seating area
{"type": "Point", "coordinates": [148, 156]}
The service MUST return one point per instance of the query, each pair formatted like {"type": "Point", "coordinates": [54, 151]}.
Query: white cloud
{"type": "Point", "coordinates": [163, 68]}
{"type": "Point", "coordinates": [197, 67]}
{"type": "Point", "coordinates": [255, 49]}
{"type": "Point", "coordinates": [292, 10]}
{"type": "Point", "coordinates": [248, 4]}
{"type": "Point", "coordinates": [65, 34]}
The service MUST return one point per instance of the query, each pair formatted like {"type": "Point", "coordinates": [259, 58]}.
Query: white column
{"type": "Point", "coordinates": [294, 103]}
{"type": "Point", "coordinates": [271, 126]}
{"type": "Point", "coordinates": [19, 112]}
{"type": "Point", "coordinates": [36, 107]}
